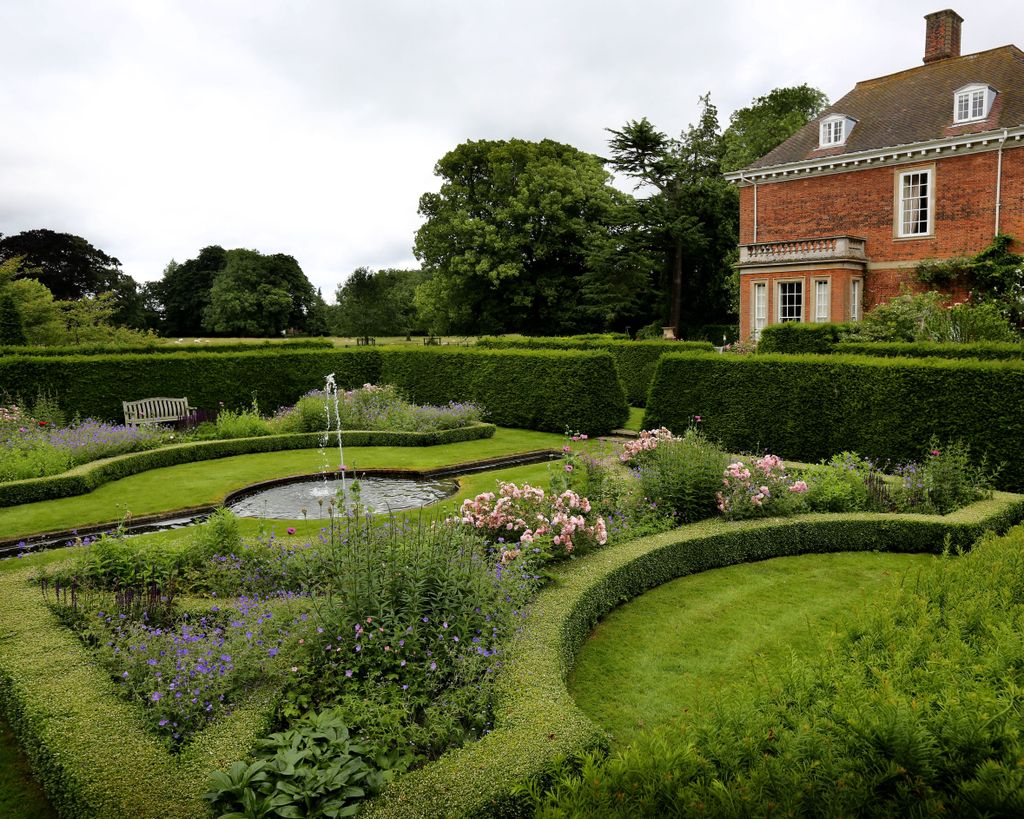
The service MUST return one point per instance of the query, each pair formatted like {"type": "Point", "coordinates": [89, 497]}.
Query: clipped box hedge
{"type": "Point", "coordinates": [990, 350]}
{"type": "Point", "coordinates": [537, 724]}
{"type": "Point", "coordinates": [83, 479]}
{"type": "Point", "coordinates": [811, 407]}
{"type": "Point", "coordinates": [547, 390]}
{"type": "Point", "coordinates": [90, 749]}
{"type": "Point", "coordinates": [635, 361]}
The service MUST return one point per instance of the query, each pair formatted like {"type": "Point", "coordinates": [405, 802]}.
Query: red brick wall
{"type": "Point", "coordinates": [862, 202]}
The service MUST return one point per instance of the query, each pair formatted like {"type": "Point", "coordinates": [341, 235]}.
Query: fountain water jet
{"type": "Point", "coordinates": [331, 401]}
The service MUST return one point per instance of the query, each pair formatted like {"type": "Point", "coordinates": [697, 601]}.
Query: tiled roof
{"type": "Point", "coordinates": [915, 105]}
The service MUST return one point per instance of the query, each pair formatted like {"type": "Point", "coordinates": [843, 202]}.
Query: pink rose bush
{"type": "Point", "coordinates": [762, 488]}
{"type": "Point", "coordinates": [517, 517]}
{"type": "Point", "coordinates": [646, 441]}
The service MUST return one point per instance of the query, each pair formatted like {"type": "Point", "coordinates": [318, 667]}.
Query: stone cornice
{"type": "Point", "coordinates": [898, 155]}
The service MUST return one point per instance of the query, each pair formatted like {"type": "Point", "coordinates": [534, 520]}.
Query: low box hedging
{"type": "Point", "coordinates": [635, 361]}
{"type": "Point", "coordinates": [797, 337]}
{"type": "Point", "coordinates": [988, 350]}
{"type": "Point", "coordinates": [85, 478]}
{"type": "Point", "coordinates": [89, 748]}
{"type": "Point", "coordinates": [547, 390]}
{"type": "Point", "coordinates": [810, 407]}
{"type": "Point", "coordinates": [162, 347]}
{"type": "Point", "coordinates": [537, 724]}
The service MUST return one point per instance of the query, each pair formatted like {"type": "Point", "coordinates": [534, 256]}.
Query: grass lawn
{"type": "Point", "coordinates": [208, 482]}
{"type": "Point", "coordinates": [636, 419]}
{"type": "Point", "coordinates": [20, 795]}
{"type": "Point", "coordinates": [706, 635]}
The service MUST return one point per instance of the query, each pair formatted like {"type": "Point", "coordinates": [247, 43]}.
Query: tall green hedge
{"type": "Point", "coordinates": [159, 347]}
{"type": "Point", "coordinates": [811, 407]}
{"type": "Point", "coordinates": [544, 390]}
{"type": "Point", "coordinates": [797, 337]}
{"type": "Point", "coordinates": [547, 390]}
{"type": "Point", "coordinates": [990, 350]}
{"type": "Point", "coordinates": [95, 386]}
{"type": "Point", "coordinates": [635, 361]}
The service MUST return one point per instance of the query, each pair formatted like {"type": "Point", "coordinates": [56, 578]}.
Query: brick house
{"type": "Point", "coordinates": [927, 163]}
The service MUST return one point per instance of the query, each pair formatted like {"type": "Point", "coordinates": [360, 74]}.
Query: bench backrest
{"type": "Point", "coordinates": [155, 410]}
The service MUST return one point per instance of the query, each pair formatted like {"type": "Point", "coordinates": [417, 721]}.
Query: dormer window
{"type": "Point", "coordinates": [973, 102]}
{"type": "Point", "coordinates": [834, 130]}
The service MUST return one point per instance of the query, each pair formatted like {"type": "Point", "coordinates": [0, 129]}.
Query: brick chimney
{"type": "Point", "coordinates": [942, 35]}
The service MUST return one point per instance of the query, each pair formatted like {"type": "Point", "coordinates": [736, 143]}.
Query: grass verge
{"type": "Point", "coordinates": [676, 645]}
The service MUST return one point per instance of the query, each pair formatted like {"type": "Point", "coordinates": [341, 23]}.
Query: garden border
{"type": "Point", "coordinates": [84, 478]}
{"type": "Point", "coordinates": [65, 710]}
{"type": "Point", "coordinates": [538, 725]}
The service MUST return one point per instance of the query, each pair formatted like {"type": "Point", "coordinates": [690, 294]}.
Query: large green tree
{"type": "Point", "coordinates": [184, 291]}
{"type": "Point", "coordinates": [689, 214]}
{"type": "Point", "coordinates": [69, 266]}
{"type": "Point", "coordinates": [377, 303]}
{"type": "Point", "coordinates": [506, 239]}
{"type": "Point", "coordinates": [258, 295]}
{"type": "Point", "coordinates": [768, 121]}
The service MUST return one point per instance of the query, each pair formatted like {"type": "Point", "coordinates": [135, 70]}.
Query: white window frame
{"type": "Point", "coordinates": [758, 317]}
{"type": "Point", "coordinates": [972, 103]}
{"type": "Point", "coordinates": [904, 179]}
{"type": "Point", "coordinates": [834, 130]}
{"type": "Point", "coordinates": [856, 294]}
{"type": "Point", "coordinates": [779, 300]}
{"type": "Point", "coordinates": [822, 300]}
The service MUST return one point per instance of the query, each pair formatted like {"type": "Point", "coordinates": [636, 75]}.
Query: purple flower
{"type": "Point", "coordinates": [155, 696]}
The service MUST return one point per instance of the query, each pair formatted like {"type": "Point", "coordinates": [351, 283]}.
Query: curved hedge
{"type": "Point", "coordinates": [989, 350]}
{"type": "Point", "coordinates": [810, 407]}
{"type": "Point", "coordinates": [163, 347]}
{"type": "Point", "coordinates": [89, 748]}
{"type": "Point", "coordinates": [635, 361]}
{"type": "Point", "coordinates": [537, 724]}
{"type": "Point", "coordinates": [83, 479]}
{"type": "Point", "coordinates": [547, 390]}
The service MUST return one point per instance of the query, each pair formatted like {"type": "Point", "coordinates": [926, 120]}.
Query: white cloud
{"type": "Point", "coordinates": [312, 127]}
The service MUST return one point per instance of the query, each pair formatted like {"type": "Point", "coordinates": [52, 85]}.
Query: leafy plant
{"type": "Point", "coordinates": [681, 476]}
{"type": "Point", "coordinates": [312, 769]}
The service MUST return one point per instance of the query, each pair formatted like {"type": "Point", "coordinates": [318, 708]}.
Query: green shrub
{"type": "Point", "coordinates": [547, 390]}
{"type": "Point", "coordinates": [842, 484]}
{"type": "Point", "coordinates": [796, 337]}
{"type": "Point", "coordinates": [681, 476]}
{"type": "Point", "coordinates": [806, 408]}
{"type": "Point", "coordinates": [635, 361]}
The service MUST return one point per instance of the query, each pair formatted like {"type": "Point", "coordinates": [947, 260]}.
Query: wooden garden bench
{"type": "Point", "coordinates": [155, 410]}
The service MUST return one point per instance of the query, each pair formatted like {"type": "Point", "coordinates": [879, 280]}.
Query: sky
{"type": "Point", "coordinates": [154, 128]}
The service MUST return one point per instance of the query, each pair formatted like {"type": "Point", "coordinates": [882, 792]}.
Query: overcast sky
{"type": "Point", "coordinates": [311, 127]}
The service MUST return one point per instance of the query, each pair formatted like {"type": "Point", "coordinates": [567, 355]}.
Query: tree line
{"type": "Point", "coordinates": [523, 236]}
